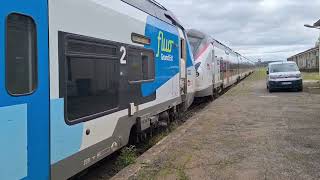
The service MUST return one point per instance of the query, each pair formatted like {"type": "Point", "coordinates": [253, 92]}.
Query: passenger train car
{"type": "Point", "coordinates": [217, 66]}
{"type": "Point", "coordinates": [77, 77]}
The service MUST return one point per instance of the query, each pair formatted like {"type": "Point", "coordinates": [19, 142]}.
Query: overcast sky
{"type": "Point", "coordinates": [266, 29]}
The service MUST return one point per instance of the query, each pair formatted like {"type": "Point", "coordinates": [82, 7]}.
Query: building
{"type": "Point", "coordinates": [307, 60]}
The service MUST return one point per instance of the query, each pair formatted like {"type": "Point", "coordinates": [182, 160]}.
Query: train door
{"type": "Point", "coordinates": [222, 68]}
{"type": "Point", "coordinates": [24, 104]}
{"type": "Point", "coordinates": [216, 67]}
{"type": "Point", "coordinates": [183, 64]}
{"type": "Point", "coordinates": [227, 68]}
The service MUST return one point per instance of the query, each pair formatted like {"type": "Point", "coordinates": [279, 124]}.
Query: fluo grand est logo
{"type": "Point", "coordinates": [164, 47]}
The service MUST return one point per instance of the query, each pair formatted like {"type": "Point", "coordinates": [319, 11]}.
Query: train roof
{"type": "Point", "coordinates": [200, 34]}
{"type": "Point", "coordinates": [155, 9]}
{"type": "Point", "coordinates": [196, 33]}
{"type": "Point", "coordinates": [225, 46]}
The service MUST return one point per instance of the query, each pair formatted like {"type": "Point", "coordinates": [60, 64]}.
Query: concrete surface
{"type": "Point", "coordinates": [246, 134]}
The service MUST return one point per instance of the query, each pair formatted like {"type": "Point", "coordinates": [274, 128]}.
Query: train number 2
{"type": "Point", "coordinates": [124, 54]}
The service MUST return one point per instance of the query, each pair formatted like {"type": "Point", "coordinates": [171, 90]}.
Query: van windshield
{"type": "Point", "coordinates": [283, 68]}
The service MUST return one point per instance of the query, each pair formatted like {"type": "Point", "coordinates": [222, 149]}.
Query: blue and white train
{"type": "Point", "coordinates": [78, 76]}
{"type": "Point", "coordinates": [218, 66]}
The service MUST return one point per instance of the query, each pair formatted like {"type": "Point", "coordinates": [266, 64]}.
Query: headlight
{"type": "Point", "coordinates": [298, 76]}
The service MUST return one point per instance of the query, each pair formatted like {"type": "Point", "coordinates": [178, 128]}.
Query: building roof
{"type": "Point", "coordinates": [309, 50]}
{"type": "Point", "coordinates": [317, 23]}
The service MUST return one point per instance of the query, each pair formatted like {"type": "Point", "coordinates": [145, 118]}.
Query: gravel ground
{"type": "Point", "coordinates": [246, 134]}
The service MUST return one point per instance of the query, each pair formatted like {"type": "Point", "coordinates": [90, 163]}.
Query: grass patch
{"type": "Point", "coordinates": [128, 155]}
{"type": "Point", "coordinates": [182, 175]}
{"type": "Point", "coordinates": [157, 137]}
{"type": "Point", "coordinates": [259, 74]}
{"type": "Point", "coordinates": [311, 76]}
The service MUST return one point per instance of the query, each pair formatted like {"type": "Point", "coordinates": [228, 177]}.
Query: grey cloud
{"type": "Point", "coordinates": [249, 25]}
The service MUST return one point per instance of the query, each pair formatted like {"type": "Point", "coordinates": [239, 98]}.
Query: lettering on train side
{"type": "Point", "coordinates": [164, 45]}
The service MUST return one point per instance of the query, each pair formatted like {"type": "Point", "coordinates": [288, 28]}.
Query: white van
{"type": "Point", "coordinates": [284, 75]}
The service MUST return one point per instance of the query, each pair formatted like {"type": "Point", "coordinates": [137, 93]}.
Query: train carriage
{"type": "Point", "coordinates": [218, 66]}
{"type": "Point", "coordinates": [208, 79]}
{"type": "Point", "coordinates": [77, 76]}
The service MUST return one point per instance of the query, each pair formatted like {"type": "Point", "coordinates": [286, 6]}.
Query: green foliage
{"type": "Point", "coordinates": [310, 76]}
{"type": "Point", "coordinates": [127, 156]}
{"type": "Point", "coordinates": [182, 175]}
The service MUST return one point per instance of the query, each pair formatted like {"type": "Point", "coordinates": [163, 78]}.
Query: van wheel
{"type": "Point", "coordinates": [271, 90]}
{"type": "Point", "coordinates": [211, 98]}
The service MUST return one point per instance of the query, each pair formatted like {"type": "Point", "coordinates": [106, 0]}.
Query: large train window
{"type": "Point", "coordinates": [141, 65]}
{"type": "Point", "coordinates": [91, 78]}
{"type": "Point", "coordinates": [195, 43]}
{"type": "Point", "coordinates": [21, 55]}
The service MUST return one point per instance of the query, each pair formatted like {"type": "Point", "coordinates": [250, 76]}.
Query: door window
{"type": "Point", "coordinates": [92, 77]}
{"type": "Point", "coordinates": [141, 65]}
{"type": "Point", "coordinates": [21, 55]}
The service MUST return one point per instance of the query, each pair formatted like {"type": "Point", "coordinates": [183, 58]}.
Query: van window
{"type": "Point", "coordinates": [21, 55]}
{"type": "Point", "coordinates": [289, 67]}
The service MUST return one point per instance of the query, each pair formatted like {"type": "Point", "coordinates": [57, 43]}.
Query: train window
{"type": "Point", "coordinates": [141, 65]}
{"type": "Point", "coordinates": [195, 43]}
{"type": "Point", "coordinates": [21, 55]}
{"type": "Point", "coordinates": [92, 78]}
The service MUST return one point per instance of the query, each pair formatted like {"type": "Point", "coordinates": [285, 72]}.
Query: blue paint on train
{"type": "Point", "coordinates": [190, 59]}
{"type": "Point", "coordinates": [165, 44]}
{"type": "Point", "coordinates": [13, 154]}
{"type": "Point", "coordinates": [65, 140]}
{"type": "Point", "coordinates": [37, 104]}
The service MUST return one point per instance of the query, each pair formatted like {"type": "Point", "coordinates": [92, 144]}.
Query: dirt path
{"type": "Point", "coordinates": [246, 134]}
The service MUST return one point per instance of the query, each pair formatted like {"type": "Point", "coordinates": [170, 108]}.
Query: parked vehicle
{"type": "Point", "coordinates": [284, 75]}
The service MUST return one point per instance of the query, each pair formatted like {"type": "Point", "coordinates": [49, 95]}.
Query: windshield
{"type": "Point", "coordinates": [283, 68]}
{"type": "Point", "coordinates": [194, 43]}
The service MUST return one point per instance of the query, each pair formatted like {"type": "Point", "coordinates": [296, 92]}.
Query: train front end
{"type": "Point", "coordinates": [202, 51]}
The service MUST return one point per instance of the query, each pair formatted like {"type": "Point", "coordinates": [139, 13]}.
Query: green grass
{"type": "Point", "coordinates": [259, 74]}
{"type": "Point", "coordinates": [127, 156]}
{"type": "Point", "coordinates": [311, 76]}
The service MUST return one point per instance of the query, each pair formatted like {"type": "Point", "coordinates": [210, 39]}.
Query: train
{"type": "Point", "coordinates": [79, 79]}
{"type": "Point", "coordinates": [218, 66]}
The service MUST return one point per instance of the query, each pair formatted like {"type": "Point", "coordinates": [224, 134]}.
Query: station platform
{"type": "Point", "coordinates": [247, 133]}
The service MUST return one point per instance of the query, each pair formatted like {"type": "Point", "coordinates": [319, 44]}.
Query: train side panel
{"type": "Point", "coordinates": [140, 79]}
{"type": "Point", "coordinates": [205, 73]}
{"type": "Point", "coordinates": [24, 105]}
{"type": "Point", "coordinates": [234, 68]}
